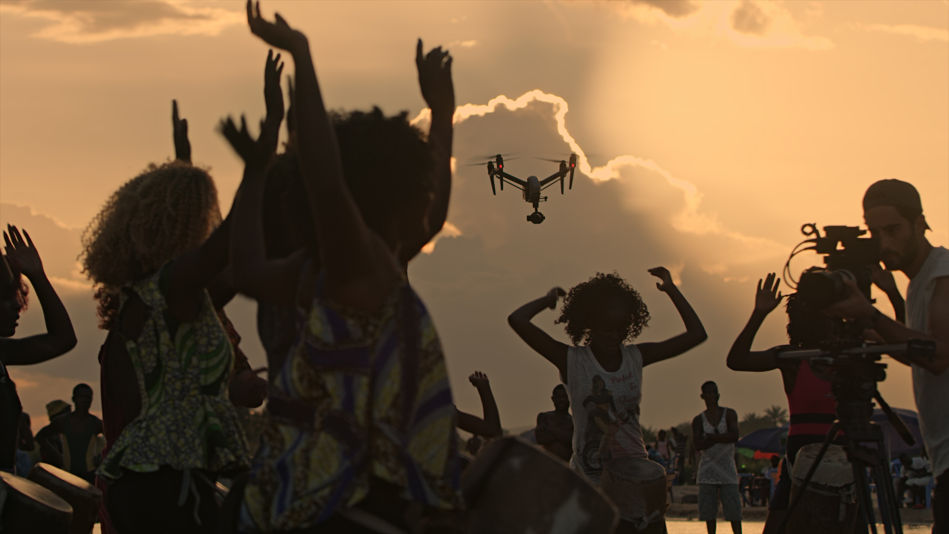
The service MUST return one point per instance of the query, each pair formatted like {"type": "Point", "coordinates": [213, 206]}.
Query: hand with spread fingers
{"type": "Point", "coordinates": [179, 129]}
{"type": "Point", "coordinates": [278, 33]}
{"type": "Point", "coordinates": [768, 296]}
{"type": "Point", "coordinates": [434, 78]}
{"type": "Point", "coordinates": [273, 96]}
{"type": "Point", "coordinates": [22, 253]}
{"type": "Point", "coordinates": [239, 138]}
{"type": "Point", "coordinates": [479, 380]}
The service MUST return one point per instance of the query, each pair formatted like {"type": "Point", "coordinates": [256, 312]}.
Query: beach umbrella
{"type": "Point", "coordinates": [764, 442]}
{"type": "Point", "coordinates": [893, 443]}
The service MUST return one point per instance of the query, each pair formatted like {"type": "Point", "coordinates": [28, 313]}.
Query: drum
{"type": "Point", "coordinates": [25, 506]}
{"type": "Point", "coordinates": [829, 501]}
{"type": "Point", "coordinates": [81, 495]}
{"type": "Point", "coordinates": [639, 488]}
{"type": "Point", "coordinates": [515, 487]}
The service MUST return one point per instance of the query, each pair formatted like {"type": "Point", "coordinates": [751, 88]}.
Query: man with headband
{"type": "Point", "coordinates": [894, 214]}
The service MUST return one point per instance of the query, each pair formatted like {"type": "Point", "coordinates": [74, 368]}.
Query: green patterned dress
{"type": "Point", "coordinates": [186, 420]}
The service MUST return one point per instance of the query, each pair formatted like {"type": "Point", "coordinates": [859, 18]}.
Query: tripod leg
{"type": "Point", "coordinates": [864, 501]}
{"type": "Point", "coordinates": [886, 497]}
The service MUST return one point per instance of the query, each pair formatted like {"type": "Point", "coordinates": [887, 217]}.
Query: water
{"type": "Point", "coordinates": [754, 527]}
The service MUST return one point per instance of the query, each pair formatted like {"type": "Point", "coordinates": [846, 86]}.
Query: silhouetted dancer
{"type": "Point", "coordinates": [811, 403]}
{"type": "Point", "coordinates": [156, 253]}
{"type": "Point", "coordinates": [20, 258]}
{"type": "Point", "coordinates": [604, 378]}
{"type": "Point", "coordinates": [489, 425]}
{"type": "Point", "coordinates": [365, 384]}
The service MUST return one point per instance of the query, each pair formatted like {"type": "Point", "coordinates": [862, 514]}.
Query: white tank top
{"type": "Point", "coordinates": [717, 463]}
{"type": "Point", "coordinates": [931, 391]}
{"type": "Point", "coordinates": [605, 409]}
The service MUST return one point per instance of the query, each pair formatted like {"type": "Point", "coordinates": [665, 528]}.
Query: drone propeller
{"type": "Point", "coordinates": [485, 162]}
{"type": "Point", "coordinates": [494, 155]}
{"type": "Point", "coordinates": [552, 160]}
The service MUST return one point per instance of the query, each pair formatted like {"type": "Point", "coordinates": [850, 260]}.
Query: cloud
{"type": "Point", "coordinates": [90, 21]}
{"type": "Point", "coordinates": [689, 218]}
{"type": "Point", "coordinates": [468, 43]}
{"type": "Point", "coordinates": [746, 23]}
{"type": "Point", "coordinates": [920, 33]}
{"type": "Point", "coordinates": [749, 18]}
{"type": "Point", "coordinates": [672, 8]}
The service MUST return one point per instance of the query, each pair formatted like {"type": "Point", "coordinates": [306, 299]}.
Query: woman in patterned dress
{"type": "Point", "coordinates": [167, 362]}
{"type": "Point", "coordinates": [360, 422]}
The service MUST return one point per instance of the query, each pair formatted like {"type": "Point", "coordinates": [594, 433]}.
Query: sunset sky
{"type": "Point", "coordinates": [707, 134]}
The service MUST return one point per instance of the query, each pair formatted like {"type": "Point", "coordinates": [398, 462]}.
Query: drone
{"type": "Point", "coordinates": [533, 186]}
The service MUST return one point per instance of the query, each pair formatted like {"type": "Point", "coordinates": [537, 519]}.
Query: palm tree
{"type": "Point", "coordinates": [777, 414]}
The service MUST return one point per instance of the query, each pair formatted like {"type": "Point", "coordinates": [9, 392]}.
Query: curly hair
{"type": "Point", "coordinates": [150, 220]}
{"type": "Point", "coordinates": [807, 327]}
{"type": "Point", "coordinates": [386, 162]}
{"type": "Point", "coordinates": [583, 305]}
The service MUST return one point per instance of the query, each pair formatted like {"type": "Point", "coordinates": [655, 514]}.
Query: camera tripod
{"type": "Point", "coordinates": [854, 387]}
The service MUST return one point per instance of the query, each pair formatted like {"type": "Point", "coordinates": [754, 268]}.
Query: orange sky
{"type": "Point", "coordinates": [708, 133]}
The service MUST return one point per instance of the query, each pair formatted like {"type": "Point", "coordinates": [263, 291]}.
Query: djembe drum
{"type": "Point", "coordinates": [829, 503]}
{"type": "Point", "coordinates": [29, 507]}
{"type": "Point", "coordinates": [639, 489]}
{"type": "Point", "coordinates": [81, 495]}
{"type": "Point", "coordinates": [515, 487]}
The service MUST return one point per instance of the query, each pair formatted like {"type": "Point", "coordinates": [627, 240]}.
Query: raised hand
{"type": "Point", "coordinates": [179, 130]}
{"type": "Point", "coordinates": [767, 297]}
{"type": "Point", "coordinates": [479, 379]}
{"type": "Point", "coordinates": [665, 284]}
{"type": "Point", "coordinates": [434, 78]}
{"type": "Point", "coordinates": [278, 33]}
{"type": "Point", "coordinates": [272, 93]}
{"type": "Point", "coordinates": [21, 252]}
{"type": "Point", "coordinates": [553, 295]}
{"type": "Point", "coordinates": [239, 138]}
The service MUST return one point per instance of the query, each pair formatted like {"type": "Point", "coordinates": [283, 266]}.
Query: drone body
{"type": "Point", "coordinates": [533, 186]}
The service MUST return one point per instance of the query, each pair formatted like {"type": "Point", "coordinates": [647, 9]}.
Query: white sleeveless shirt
{"type": "Point", "coordinates": [931, 391]}
{"type": "Point", "coordinates": [605, 409]}
{"type": "Point", "coordinates": [717, 463]}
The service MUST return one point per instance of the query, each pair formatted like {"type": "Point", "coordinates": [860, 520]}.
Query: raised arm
{"type": "Point", "coordinates": [348, 251]}
{"type": "Point", "coordinates": [179, 131]}
{"type": "Point", "coordinates": [490, 425]}
{"type": "Point", "coordinates": [694, 331]}
{"type": "Point", "coordinates": [741, 357]}
{"type": "Point", "coordinates": [434, 78]}
{"type": "Point", "coordinates": [268, 280]}
{"type": "Point", "coordinates": [60, 336]}
{"type": "Point", "coordinates": [537, 339]}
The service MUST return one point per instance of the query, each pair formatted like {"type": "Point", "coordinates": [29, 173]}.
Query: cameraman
{"type": "Point", "coordinates": [893, 212]}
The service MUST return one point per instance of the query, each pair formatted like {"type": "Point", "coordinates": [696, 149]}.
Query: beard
{"type": "Point", "coordinates": [898, 260]}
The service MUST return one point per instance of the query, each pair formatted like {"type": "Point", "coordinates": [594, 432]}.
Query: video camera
{"type": "Point", "coordinates": [847, 255]}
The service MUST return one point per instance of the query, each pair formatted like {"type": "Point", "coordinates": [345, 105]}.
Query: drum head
{"type": "Point", "coordinates": [834, 470]}
{"type": "Point", "coordinates": [29, 507]}
{"type": "Point", "coordinates": [43, 472]}
{"type": "Point", "coordinates": [33, 494]}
